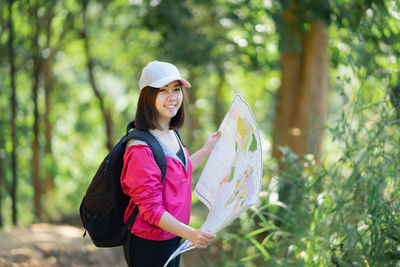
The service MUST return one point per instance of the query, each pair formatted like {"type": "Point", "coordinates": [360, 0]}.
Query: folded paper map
{"type": "Point", "coordinates": [230, 182]}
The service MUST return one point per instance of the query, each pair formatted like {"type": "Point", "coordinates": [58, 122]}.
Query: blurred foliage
{"type": "Point", "coordinates": [342, 212]}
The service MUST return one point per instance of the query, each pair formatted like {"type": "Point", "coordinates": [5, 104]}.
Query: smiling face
{"type": "Point", "coordinates": [168, 102]}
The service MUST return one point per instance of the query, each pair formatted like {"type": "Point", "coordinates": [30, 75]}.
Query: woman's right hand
{"type": "Point", "coordinates": [201, 238]}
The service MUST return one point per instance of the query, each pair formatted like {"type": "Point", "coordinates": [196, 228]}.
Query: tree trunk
{"type": "Point", "coordinates": [90, 66]}
{"type": "Point", "coordinates": [219, 111]}
{"type": "Point", "coordinates": [286, 100]}
{"type": "Point", "coordinates": [2, 173]}
{"type": "Point", "coordinates": [302, 98]}
{"type": "Point", "coordinates": [48, 88]}
{"type": "Point", "coordinates": [301, 101]}
{"type": "Point", "coordinates": [312, 104]}
{"type": "Point", "coordinates": [13, 190]}
{"type": "Point", "coordinates": [35, 89]}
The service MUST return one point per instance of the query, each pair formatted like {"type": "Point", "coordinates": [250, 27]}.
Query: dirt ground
{"type": "Point", "coordinates": [43, 245]}
{"type": "Point", "coordinates": [49, 245]}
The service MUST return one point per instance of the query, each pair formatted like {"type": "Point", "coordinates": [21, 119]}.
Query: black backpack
{"type": "Point", "coordinates": [103, 206]}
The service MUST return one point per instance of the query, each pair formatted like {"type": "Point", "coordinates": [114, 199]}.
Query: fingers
{"type": "Point", "coordinates": [204, 238]}
{"type": "Point", "coordinates": [214, 137]}
{"type": "Point", "coordinates": [202, 243]}
{"type": "Point", "coordinates": [208, 234]}
{"type": "Point", "coordinates": [211, 141]}
{"type": "Point", "coordinates": [216, 134]}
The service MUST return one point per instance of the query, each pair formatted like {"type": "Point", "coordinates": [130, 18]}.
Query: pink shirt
{"type": "Point", "coordinates": [140, 179]}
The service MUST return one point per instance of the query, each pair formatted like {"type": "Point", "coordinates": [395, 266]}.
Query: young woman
{"type": "Point", "coordinates": [164, 208]}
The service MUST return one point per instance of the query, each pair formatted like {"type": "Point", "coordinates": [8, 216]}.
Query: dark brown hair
{"type": "Point", "coordinates": [146, 114]}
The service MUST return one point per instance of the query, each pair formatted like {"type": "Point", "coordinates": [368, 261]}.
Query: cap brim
{"type": "Point", "coordinates": [167, 80]}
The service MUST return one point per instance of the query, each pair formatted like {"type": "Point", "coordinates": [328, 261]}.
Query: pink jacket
{"type": "Point", "coordinates": [140, 179]}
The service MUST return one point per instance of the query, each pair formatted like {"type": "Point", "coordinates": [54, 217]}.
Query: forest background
{"type": "Point", "coordinates": [322, 78]}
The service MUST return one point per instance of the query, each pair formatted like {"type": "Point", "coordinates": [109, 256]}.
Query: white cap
{"type": "Point", "coordinates": [157, 74]}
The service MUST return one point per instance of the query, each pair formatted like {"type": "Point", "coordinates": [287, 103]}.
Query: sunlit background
{"type": "Point", "coordinates": [320, 76]}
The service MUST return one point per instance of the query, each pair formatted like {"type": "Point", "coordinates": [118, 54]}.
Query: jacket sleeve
{"type": "Point", "coordinates": [140, 179]}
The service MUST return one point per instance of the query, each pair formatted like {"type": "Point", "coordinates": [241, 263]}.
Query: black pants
{"type": "Point", "coordinates": [141, 252]}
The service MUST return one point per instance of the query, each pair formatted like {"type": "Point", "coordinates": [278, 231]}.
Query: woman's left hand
{"type": "Point", "coordinates": [199, 156]}
{"type": "Point", "coordinates": [211, 140]}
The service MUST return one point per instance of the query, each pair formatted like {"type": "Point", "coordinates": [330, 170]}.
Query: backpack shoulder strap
{"type": "Point", "coordinates": [130, 125]}
{"type": "Point", "coordinates": [155, 147]}
{"type": "Point", "coordinates": [179, 136]}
